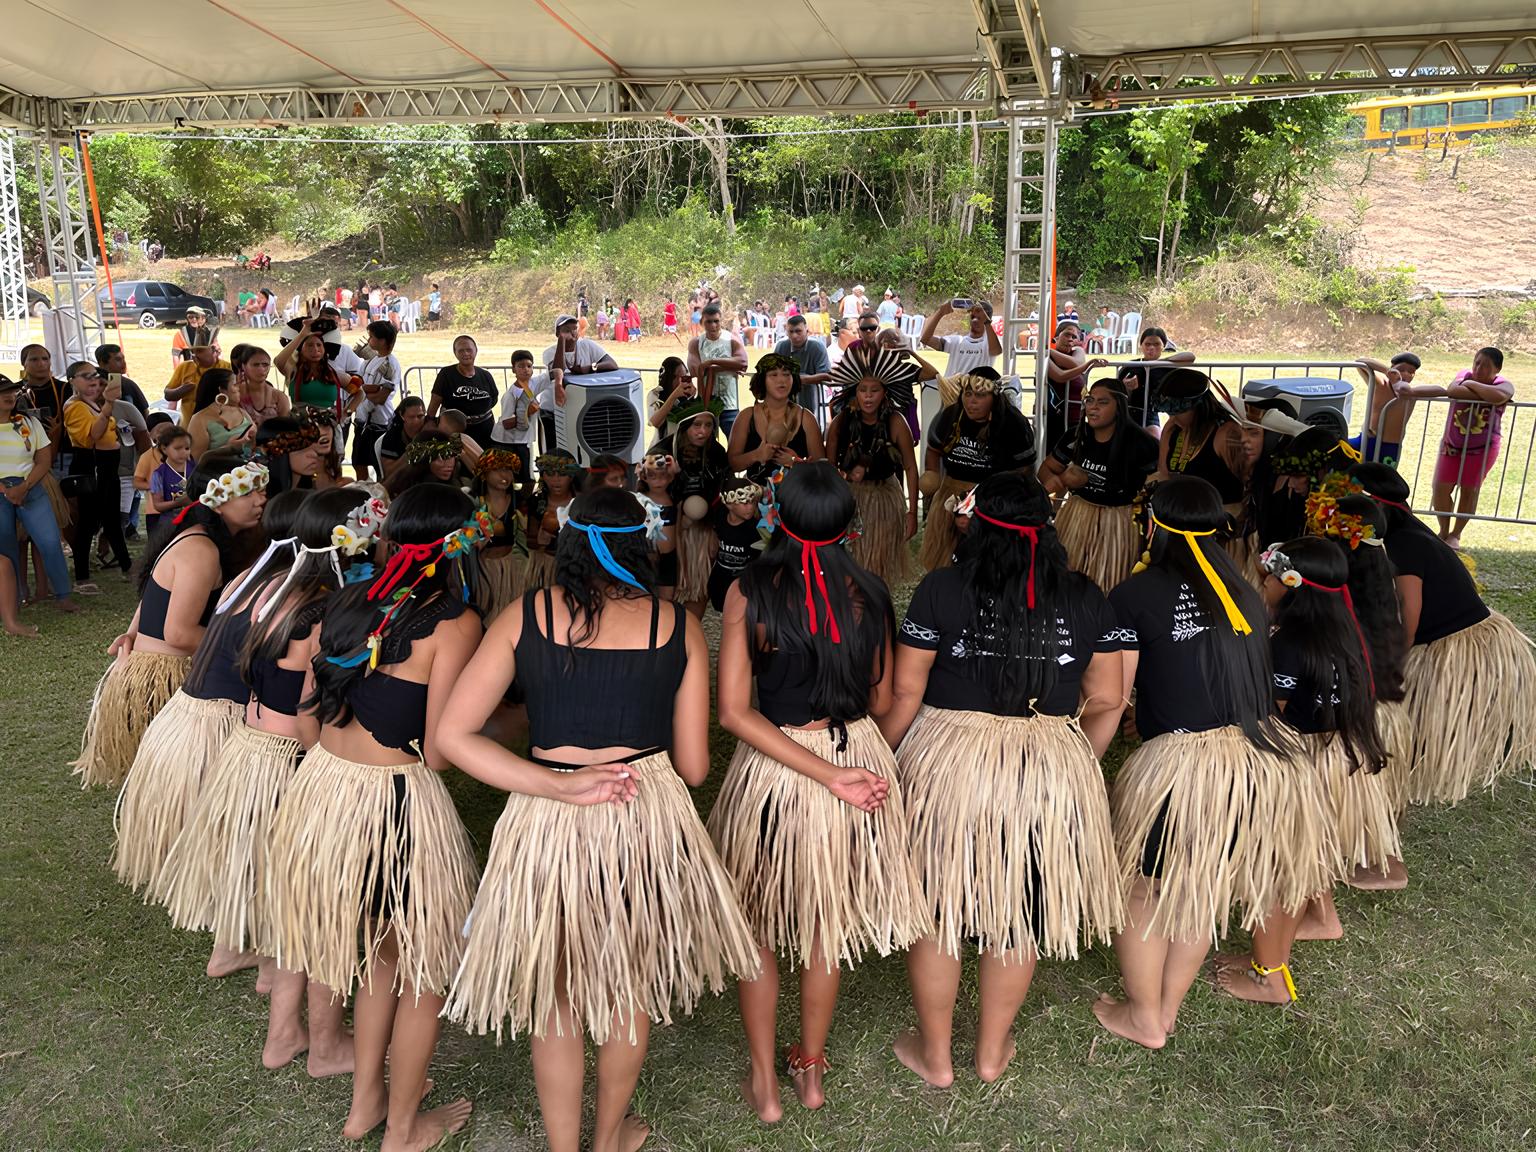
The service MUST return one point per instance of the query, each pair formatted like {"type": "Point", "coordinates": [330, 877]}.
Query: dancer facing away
{"type": "Point", "coordinates": [1325, 691]}
{"type": "Point", "coordinates": [372, 872]}
{"type": "Point", "coordinates": [810, 821]}
{"type": "Point", "coordinates": [1211, 810]}
{"type": "Point", "coordinates": [603, 903]}
{"type": "Point", "coordinates": [998, 720]}
{"type": "Point", "coordinates": [1471, 675]}
{"type": "Point", "coordinates": [189, 558]}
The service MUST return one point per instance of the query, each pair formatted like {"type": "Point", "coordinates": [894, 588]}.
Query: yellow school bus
{"type": "Point", "coordinates": [1424, 121]}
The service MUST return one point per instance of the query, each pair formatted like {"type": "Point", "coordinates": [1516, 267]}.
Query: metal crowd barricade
{"type": "Point", "coordinates": [1502, 492]}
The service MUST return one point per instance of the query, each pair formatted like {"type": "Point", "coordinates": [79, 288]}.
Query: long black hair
{"type": "Point", "coordinates": [277, 523]}
{"type": "Point", "coordinates": [1317, 623]}
{"type": "Point", "coordinates": [1234, 667]}
{"type": "Point", "coordinates": [1120, 438]}
{"type": "Point", "coordinates": [1011, 648]}
{"type": "Point", "coordinates": [281, 477]}
{"type": "Point", "coordinates": [197, 515]}
{"type": "Point", "coordinates": [210, 385]}
{"type": "Point", "coordinates": [314, 579]}
{"type": "Point", "coordinates": [584, 583]}
{"type": "Point", "coordinates": [1373, 586]}
{"type": "Point", "coordinates": [421, 516]}
{"type": "Point", "coordinates": [816, 504]}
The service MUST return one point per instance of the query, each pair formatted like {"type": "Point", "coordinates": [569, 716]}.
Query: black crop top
{"type": "Point", "coordinates": [1207, 464]}
{"type": "Point", "coordinates": [796, 443]}
{"type": "Point", "coordinates": [392, 709]}
{"type": "Point", "coordinates": [221, 680]}
{"type": "Point", "coordinates": [598, 697]}
{"type": "Point", "coordinates": [155, 604]}
{"type": "Point", "coordinates": [784, 682]}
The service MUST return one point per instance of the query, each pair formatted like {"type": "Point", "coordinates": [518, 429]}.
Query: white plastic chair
{"type": "Point", "coordinates": [1130, 330]}
{"type": "Point", "coordinates": [292, 310]}
{"type": "Point", "coordinates": [912, 329]}
{"type": "Point", "coordinates": [763, 338]}
{"type": "Point", "coordinates": [410, 315]}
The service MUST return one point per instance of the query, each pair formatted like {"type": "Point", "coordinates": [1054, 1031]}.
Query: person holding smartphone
{"type": "Point", "coordinates": [979, 346]}
{"type": "Point", "coordinates": [91, 424]}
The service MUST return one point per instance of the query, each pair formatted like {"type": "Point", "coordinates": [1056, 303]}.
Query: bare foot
{"type": "Point", "coordinates": [1248, 985]}
{"type": "Point", "coordinates": [337, 1061]}
{"type": "Point", "coordinates": [264, 972]}
{"type": "Point", "coordinates": [763, 1097]}
{"type": "Point", "coordinates": [224, 962]}
{"type": "Point", "coordinates": [808, 1087]}
{"type": "Point", "coordinates": [1118, 1017]}
{"type": "Point", "coordinates": [282, 1048]}
{"type": "Point", "coordinates": [632, 1133]}
{"type": "Point", "coordinates": [21, 629]}
{"type": "Point", "coordinates": [1394, 879]}
{"type": "Point", "coordinates": [909, 1050]}
{"type": "Point", "coordinates": [65, 604]}
{"type": "Point", "coordinates": [429, 1128]}
{"type": "Point", "coordinates": [1317, 925]}
{"type": "Point", "coordinates": [367, 1115]}
{"type": "Point", "coordinates": [990, 1069]}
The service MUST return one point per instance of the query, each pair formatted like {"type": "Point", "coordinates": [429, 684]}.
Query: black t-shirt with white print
{"type": "Point", "coordinates": [475, 396]}
{"type": "Point", "coordinates": [1303, 698]}
{"type": "Point", "coordinates": [1159, 617]}
{"type": "Point", "coordinates": [738, 549]}
{"type": "Point", "coordinates": [1137, 461]}
{"type": "Point", "coordinates": [938, 621]}
{"type": "Point", "coordinates": [983, 449]}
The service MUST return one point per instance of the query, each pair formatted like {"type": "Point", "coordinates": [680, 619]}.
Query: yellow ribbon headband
{"type": "Point", "coordinates": [1235, 615]}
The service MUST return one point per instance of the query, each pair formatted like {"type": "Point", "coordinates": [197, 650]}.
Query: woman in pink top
{"type": "Point", "coordinates": [1469, 447]}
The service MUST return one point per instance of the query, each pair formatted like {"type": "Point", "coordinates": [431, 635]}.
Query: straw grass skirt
{"type": "Point", "coordinates": [129, 695]}
{"type": "Point", "coordinates": [215, 878]}
{"type": "Point", "coordinates": [1396, 728]}
{"type": "Point", "coordinates": [539, 571]}
{"type": "Point", "coordinates": [1101, 540]}
{"type": "Point", "coordinates": [1361, 802]}
{"type": "Point", "coordinates": [939, 534]}
{"type": "Point", "coordinates": [1229, 824]}
{"type": "Point", "coordinates": [165, 781]}
{"type": "Point", "coordinates": [618, 910]}
{"type": "Point", "coordinates": [505, 579]}
{"type": "Point", "coordinates": [1470, 702]}
{"type": "Point", "coordinates": [881, 545]}
{"type": "Point", "coordinates": [1010, 832]}
{"type": "Point", "coordinates": [806, 865]}
{"type": "Point", "coordinates": [57, 501]}
{"type": "Point", "coordinates": [695, 557]}
{"type": "Point", "coordinates": [359, 850]}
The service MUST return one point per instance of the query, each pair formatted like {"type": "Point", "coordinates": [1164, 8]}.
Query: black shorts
{"type": "Point", "coordinates": [367, 435]}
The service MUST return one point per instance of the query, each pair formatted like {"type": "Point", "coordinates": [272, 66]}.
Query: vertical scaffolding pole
{"type": "Point", "coordinates": [1029, 257]}
{"type": "Point", "coordinates": [67, 239]}
{"type": "Point", "coordinates": [13, 272]}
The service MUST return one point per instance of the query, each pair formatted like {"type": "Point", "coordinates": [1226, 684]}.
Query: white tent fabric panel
{"type": "Point", "coordinates": [1099, 28]}
{"type": "Point", "coordinates": [73, 49]}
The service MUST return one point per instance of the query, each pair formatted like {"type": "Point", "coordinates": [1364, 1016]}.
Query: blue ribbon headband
{"type": "Point", "coordinates": [595, 535]}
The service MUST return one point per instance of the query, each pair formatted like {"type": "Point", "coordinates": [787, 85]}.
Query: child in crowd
{"type": "Point", "coordinates": [168, 480]}
{"type": "Point", "coordinates": [1469, 446]}
{"type": "Point", "coordinates": [735, 520]}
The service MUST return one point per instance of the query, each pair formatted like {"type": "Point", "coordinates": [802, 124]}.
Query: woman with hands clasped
{"type": "Point", "coordinates": [776, 431]}
{"type": "Point", "coordinates": [810, 821]}
{"type": "Point", "coordinates": [603, 903]}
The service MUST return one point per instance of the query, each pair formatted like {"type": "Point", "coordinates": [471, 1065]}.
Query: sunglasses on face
{"type": "Point", "coordinates": [869, 328]}
{"type": "Point", "coordinates": [87, 376]}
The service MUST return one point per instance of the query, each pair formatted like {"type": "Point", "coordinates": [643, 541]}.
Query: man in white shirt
{"type": "Point", "coordinates": [381, 377]}
{"type": "Point", "coordinates": [518, 428]}
{"type": "Point", "coordinates": [577, 356]}
{"type": "Point", "coordinates": [853, 303]}
{"type": "Point", "coordinates": [979, 346]}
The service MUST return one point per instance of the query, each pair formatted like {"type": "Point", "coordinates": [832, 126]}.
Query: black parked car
{"type": "Point", "coordinates": [150, 303]}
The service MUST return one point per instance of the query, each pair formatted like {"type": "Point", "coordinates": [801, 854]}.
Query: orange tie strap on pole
{"type": "Point", "coordinates": [101, 240]}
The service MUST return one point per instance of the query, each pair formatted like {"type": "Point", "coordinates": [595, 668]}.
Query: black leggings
{"type": "Point", "coordinates": [99, 510]}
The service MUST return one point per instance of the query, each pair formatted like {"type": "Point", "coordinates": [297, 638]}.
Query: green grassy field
{"type": "Point", "coordinates": [1417, 1031]}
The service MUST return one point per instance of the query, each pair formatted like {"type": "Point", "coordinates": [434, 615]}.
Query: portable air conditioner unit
{"type": "Point", "coordinates": [603, 413]}
{"type": "Point", "coordinates": [1320, 400]}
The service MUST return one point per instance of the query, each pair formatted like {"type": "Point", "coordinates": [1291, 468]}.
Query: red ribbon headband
{"type": "Point", "coordinates": [810, 568]}
{"type": "Point", "coordinates": [1031, 533]}
{"type": "Point", "coordinates": [1349, 606]}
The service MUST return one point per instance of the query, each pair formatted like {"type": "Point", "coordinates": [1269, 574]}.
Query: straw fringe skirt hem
{"type": "Point", "coordinates": [807, 866]}
{"type": "Point", "coordinates": [1238, 826]}
{"type": "Point", "coordinates": [940, 536]}
{"type": "Point", "coordinates": [504, 584]}
{"type": "Point", "coordinates": [129, 695]}
{"type": "Point", "coordinates": [1010, 832]}
{"type": "Point", "coordinates": [1361, 803]}
{"type": "Point", "coordinates": [1469, 701]}
{"type": "Point", "coordinates": [165, 781]}
{"type": "Point", "coordinates": [1396, 728]}
{"type": "Point", "coordinates": [359, 850]}
{"type": "Point", "coordinates": [539, 571]}
{"type": "Point", "coordinates": [215, 876]}
{"type": "Point", "coordinates": [1101, 540]}
{"type": "Point", "coordinates": [881, 546]}
{"type": "Point", "coordinates": [695, 557]}
{"type": "Point", "coordinates": [618, 911]}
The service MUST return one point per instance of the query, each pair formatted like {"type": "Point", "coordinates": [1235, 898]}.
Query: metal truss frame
{"type": "Point", "coordinates": [1028, 248]}
{"type": "Point", "coordinates": [13, 271]}
{"type": "Point", "coordinates": [1301, 67]}
{"type": "Point", "coordinates": [1013, 35]}
{"type": "Point", "coordinates": [67, 238]}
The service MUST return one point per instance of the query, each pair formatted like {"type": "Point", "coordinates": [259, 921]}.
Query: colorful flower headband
{"type": "Point", "coordinates": [554, 464]}
{"type": "Point", "coordinates": [287, 443]}
{"type": "Point", "coordinates": [361, 529]}
{"type": "Point", "coordinates": [237, 482]}
{"type": "Point", "coordinates": [424, 451]}
{"type": "Point", "coordinates": [473, 533]}
{"type": "Point", "coordinates": [1277, 564]}
{"type": "Point", "coordinates": [499, 460]}
{"type": "Point", "coordinates": [745, 492]}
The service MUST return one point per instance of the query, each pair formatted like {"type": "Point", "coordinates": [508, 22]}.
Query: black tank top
{"type": "Point", "coordinates": [796, 443]}
{"type": "Point", "coordinates": [784, 683]}
{"type": "Point", "coordinates": [156, 601]}
{"type": "Point", "coordinates": [869, 445]}
{"type": "Point", "coordinates": [221, 680]}
{"type": "Point", "coordinates": [598, 697]}
{"type": "Point", "coordinates": [1208, 465]}
{"type": "Point", "coordinates": [391, 709]}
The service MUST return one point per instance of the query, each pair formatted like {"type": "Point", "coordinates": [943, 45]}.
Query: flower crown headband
{"type": "Point", "coordinates": [457, 544]}
{"type": "Point", "coordinates": [352, 537]}
{"type": "Point", "coordinates": [979, 385]}
{"type": "Point", "coordinates": [237, 482]}
{"type": "Point", "coordinates": [554, 464]}
{"type": "Point", "coordinates": [421, 451]}
{"type": "Point", "coordinates": [499, 460]}
{"type": "Point", "coordinates": [746, 492]}
{"type": "Point", "coordinates": [286, 443]}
